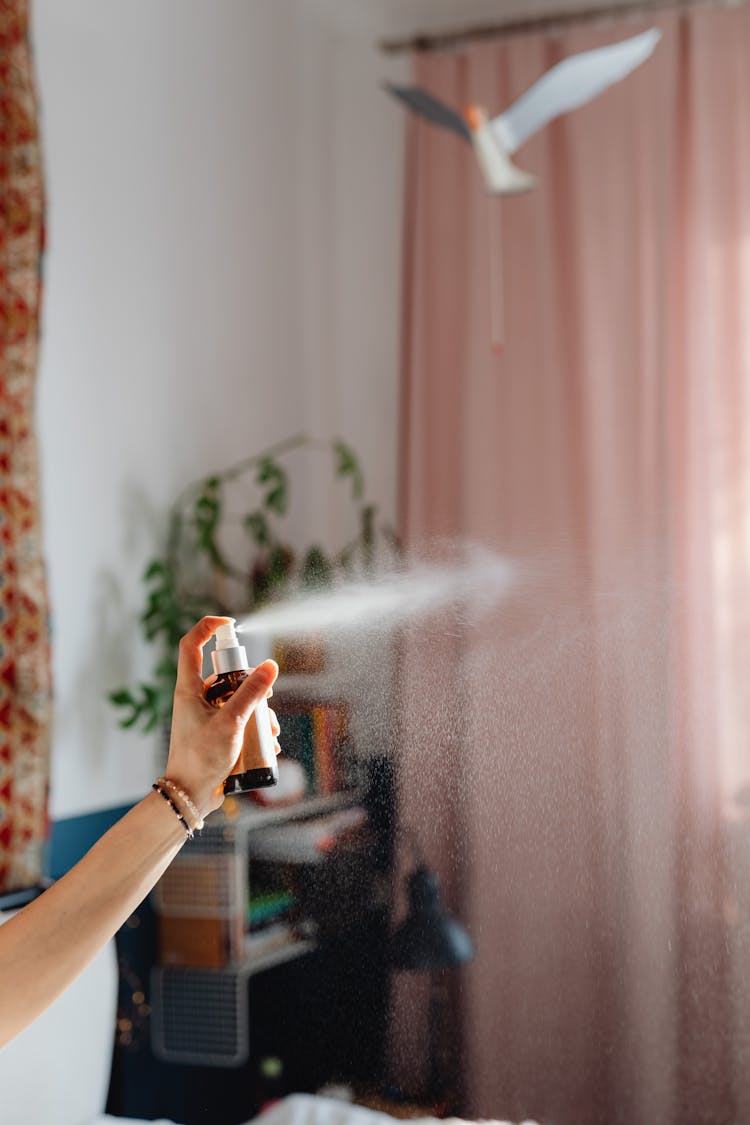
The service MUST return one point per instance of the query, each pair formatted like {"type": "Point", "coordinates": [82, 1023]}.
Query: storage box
{"type": "Point", "coordinates": [203, 942]}
{"type": "Point", "coordinates": [201, 900]}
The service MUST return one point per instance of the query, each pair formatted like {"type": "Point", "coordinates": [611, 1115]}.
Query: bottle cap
{"type": "Point", "coordinates": [226, 636]}
{"type": "Point", "coordinates": [228, 656]}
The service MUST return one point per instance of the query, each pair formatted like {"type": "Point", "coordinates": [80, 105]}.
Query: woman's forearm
{"type": "Point", "coordinates": [46, 945]}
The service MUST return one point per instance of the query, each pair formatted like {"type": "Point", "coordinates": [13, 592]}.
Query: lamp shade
{"type": "Point", "coordinates": [428, 938]}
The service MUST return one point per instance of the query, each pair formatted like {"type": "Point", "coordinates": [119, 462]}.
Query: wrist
{"type": "Point", "coordinates": [178, 808]}
{"type": "Point", "coordinates": [199, 798]}
{"type": "Point", "coordinates": [191, 804]}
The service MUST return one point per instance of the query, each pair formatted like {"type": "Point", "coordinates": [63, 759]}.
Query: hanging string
{"type": "Point", "coordinates": [496, 289]}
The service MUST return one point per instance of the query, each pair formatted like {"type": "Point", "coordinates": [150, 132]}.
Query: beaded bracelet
{"type": "Point", "coordinates": [177, 812]}
{"type": "Point", "coordinates": [186, 801]}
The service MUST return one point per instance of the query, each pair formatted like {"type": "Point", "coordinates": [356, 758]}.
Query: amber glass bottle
{"type": "Point", "coordinates": [256, 767]}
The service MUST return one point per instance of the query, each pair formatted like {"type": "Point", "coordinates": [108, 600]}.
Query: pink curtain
{"type": "Point", "coordinates": [587, 798]}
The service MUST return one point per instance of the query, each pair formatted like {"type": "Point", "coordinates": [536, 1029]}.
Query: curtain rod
{"type": "Point", "coordinates": [441, 40]}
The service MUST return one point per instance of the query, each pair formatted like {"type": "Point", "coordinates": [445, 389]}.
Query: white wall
{"type": "Point", "coordinates": [172, 292]}
{"type": "Point", "coordinates": [214, 282]}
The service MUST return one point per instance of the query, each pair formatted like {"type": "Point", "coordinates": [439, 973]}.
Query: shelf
{"type": "Point", "coordinates": [256, 817]}
{"type": "Point", "coordinates": [254, 965]}
{"type": "Point", "coordinates": [331, 960]}
{"type": "Point", "coordinates": [249, 965]}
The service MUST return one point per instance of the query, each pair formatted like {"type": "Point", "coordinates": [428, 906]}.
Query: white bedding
{"type": "Point", "coordinates": [105, 1119]}
{"type": "Point", "coordinates": [310, 1109]}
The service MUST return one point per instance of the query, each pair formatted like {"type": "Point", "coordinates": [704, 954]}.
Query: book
{"type": "Point", "coordinates": [316, 735]}
{"type": "Point", "coordinates": [269, 906]}
{"type": "Point", "coordinates": [297, 739]}
{"type": "Point", "coordinates": [324, 749]}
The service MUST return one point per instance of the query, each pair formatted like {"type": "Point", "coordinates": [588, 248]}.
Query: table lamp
{"type": "Point", "coordinates": [430, 940]}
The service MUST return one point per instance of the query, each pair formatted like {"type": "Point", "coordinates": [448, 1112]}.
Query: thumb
{"type": "Point", "coordinates": [240, 707]}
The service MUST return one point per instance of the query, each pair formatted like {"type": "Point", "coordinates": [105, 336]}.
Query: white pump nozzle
{"type": "Point", "coordinates": [229, 655]}
{"type": "Point", "coordinates": [226, 636]}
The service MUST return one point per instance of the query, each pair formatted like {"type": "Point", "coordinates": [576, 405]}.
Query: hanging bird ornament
{"type": "Point", "coordinates": [566, 86]}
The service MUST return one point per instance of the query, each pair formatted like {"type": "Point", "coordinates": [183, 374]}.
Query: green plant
{"type": "Point", "coordinates": [195, 577]}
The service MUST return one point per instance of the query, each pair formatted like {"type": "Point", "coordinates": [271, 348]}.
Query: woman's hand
{"type": "Point", "coordinates": [45, 946]}
{"type": "Point", "coordinates": [206, 742]}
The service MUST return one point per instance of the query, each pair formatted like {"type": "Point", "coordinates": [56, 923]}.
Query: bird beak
{"type": "Point", "coordinates": [475, 116]}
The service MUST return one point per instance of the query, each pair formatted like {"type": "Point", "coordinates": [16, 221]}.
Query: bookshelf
{"type": "Point", "coordinates": [208, 898]}
{"type": "Point", "coordinates": [320, 1002]}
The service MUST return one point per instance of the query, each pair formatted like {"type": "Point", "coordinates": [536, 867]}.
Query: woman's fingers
{"type": "Point", "coordinates": [240, 707]}
{"type": "Point", "coordinates": [190, 659]}
{"type": "Point", "coordinates": [275, 728]}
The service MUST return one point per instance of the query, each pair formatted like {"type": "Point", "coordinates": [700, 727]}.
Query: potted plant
{"type": "Point", "coordinates": [219, 560]}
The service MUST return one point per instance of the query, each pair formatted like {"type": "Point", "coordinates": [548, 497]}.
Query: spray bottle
{"type": "Point", "coordinates": [256, 766]}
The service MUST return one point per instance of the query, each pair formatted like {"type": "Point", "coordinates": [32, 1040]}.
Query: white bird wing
{"type": "Point", "coordinates": [570, 84]}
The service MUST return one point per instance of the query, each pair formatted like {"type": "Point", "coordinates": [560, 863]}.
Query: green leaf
{"type": "Point", "coordinates": [281, 564]}
{"type": "Point", "coordinates": [156, 569]}
{"type": "Point", "coordinates": [166, 669]}
{"type": "Point", "coordinates": [257, 525]}
{"type": "Point", "coordinates": [161, 602]}
{"type": "Point", "coordinates": [317, 570]}
{"type": "Point", "coordinates": [207, 514]}
{"type": "Point", "coordinates": [151, 722]}
{"type": "Point", "coordinates": [121, 698]}
{"type": "Point", "coordinates": [276, 500]}
{"type": "Point", "coordinates": [367, 534]}
{"type": "Point", "coordinates": [269, 470]}
{"type": "Point", "coordinates": [347, 465]}
{"type": "Point", "coordinates": [155, 703]}
{"type": "Point", "coordinates": [367, 526]}
{"type": "Point", "coordinates": [208, 503]}
{"type": "Point", "coordinates": [150, 694]}
{"type": "Point", "coordinates": [271, 473]}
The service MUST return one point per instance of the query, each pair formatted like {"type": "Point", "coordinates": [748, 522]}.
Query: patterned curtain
{"type": "Point", "coordinates": [25, 694]}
